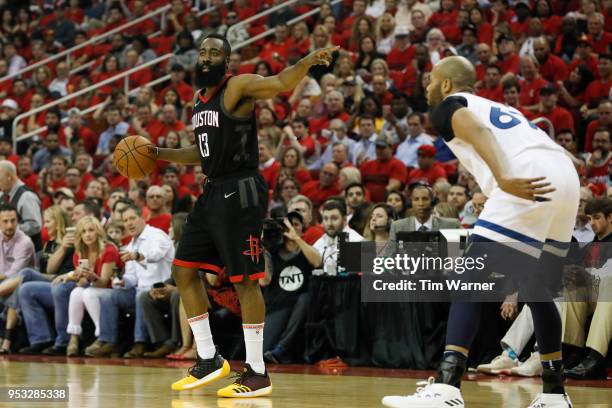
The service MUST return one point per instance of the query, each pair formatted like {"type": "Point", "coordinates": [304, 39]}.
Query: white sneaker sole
{"type": "Point", "coordinates": [396, 402]}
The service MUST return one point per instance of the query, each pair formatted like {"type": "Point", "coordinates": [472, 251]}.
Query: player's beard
{"type": "Point", "coordinates": [212, 77]}
{"type": "Point", "coordinates": [435, 98]}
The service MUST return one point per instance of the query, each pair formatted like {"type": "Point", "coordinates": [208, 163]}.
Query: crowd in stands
{"type": "Point", "coordinates": [349, 150]}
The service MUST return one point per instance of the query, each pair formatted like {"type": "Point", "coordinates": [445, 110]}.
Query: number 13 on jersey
{"type": "Point", "coordinates": [203, 142]}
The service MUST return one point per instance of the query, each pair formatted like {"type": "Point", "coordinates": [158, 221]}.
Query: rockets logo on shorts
{"type": "Point", "coordinates": [254, 250]}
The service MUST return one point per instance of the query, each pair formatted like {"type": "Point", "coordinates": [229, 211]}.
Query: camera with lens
{"type": "Point", "coordinates": [273, 229]}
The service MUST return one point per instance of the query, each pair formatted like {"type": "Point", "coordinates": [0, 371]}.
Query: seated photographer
{"type": "Point", "coordinates": [334, 223]}
{"type": "Point", "coordinates": [289, 263]}
{"type": "Point", "coordinates": [148, 258]}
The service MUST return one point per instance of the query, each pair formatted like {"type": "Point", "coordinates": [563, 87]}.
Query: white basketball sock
{"type": "Point", "coordinates": [200, 326]}
{"type": "Point", "coordinates": [253, 341]}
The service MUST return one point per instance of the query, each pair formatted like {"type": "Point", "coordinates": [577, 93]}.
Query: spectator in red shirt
{"type": "Point", "coordinates": [604, 113]}
{"type": "Point", "coordinates": [560, 117]}
{"type": "Point", "coordinates": [359, 9]}
{"type": "Point", "coordinates": [297, 135]}
{"type": "Point", "coordinates": [484, 55]}
{"type": "Point", "coordinates": [492, 88]}
{"type": "Point", "coordinates": [292, 164]}
{"type": "Point", "coordinates": [269, 167]}
{"type": "Point", "coordinates": [26, 173]}
{"type": "Point", "coordinates": [277, 49]}
{"type": "Point", "coordinates": [599, 161]}
{"type": "Point", "coordinates": [72, 180]}
{"type": "Point", "coordinates": [402, 51]}
{"type": "Point", "coordinates": [144, 123]}
{"type": "Point", "coordinates": [177, 82]}
{"type": "Point", "coordinates": [600, 88]}
{"type": "Point", "coordinates": [159, 217]}
{"type": "Point", "coordinates": [303, 205]}
{"type": "Point", "coordinates": [552, 68]}
{"type": "Point", "coordinates": [484, 30]}
{"type": "Point", "coordinates": [334, 107]}
{"type": "Point", "coordinates": [428, 170]}
{"type": "Point", "coordinates": [531, 83]}
{"type": "Point", "coordinates": [584, 55]}
{"type": "Point", "coordinates": [550, 22]}
{"type": "Point", "coordinates": [21, 94]}
{"type": "Point", "coordinates": [571, 91]}
{"type": "Point", "coordinates": [446, 16]}
{"type": "Point", "coordinates": [509, 61]}
{"type": "Point", "coordinates": [380, 90]}
{"type": "Point", "coordinates": [385, 173]}
{"type": "Point", "coordinates": [327, 186]}
{"type": "Point", "coordinates": [600, 38]}
{"type": "Point", "coordinates": [169, 122]}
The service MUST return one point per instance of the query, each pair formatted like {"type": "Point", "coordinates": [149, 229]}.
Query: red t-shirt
{"type": "Point", "coordinates": [399, 59]}
{"type": "Point", "coordinates": [313, 233]}
{"type": "Point", "coordinates": [599, 174]}
{"type": "Point", "coordinates": [600, 45]}
{"type": "Point", "coordinates": [530, 91]}
{"type": "Point", "coordinates": [110, 254]}
{"type": "Point", "coordinates": [512, 64]}
{"type": "Point", "coordinates": [318, 195]}
{"type": "Point", "coordinates": [596, 91]}
{"type": "Point", "coordinates": [184, 90]}
{"type": "Point", "coordinates": [376, 175]}
{"type": "Point", "coordinates": [429, 176]}
{"type": "Point", "coordinates": [443, 19]}
{"type": "Point", "coordinates": [554, 69]}
{"type": "Point", "coordinates": [270, 174]}
{"type": "Point", "coordinates": [162, 221]}
{"type": "Point", "coordinates": [560, 118]}
{"type": "Point", "coordinates": [591, 64]}
{"type": "Point", "coordinates": [323, 123]}
{"type": "Point", "coordinates": [494, 94]}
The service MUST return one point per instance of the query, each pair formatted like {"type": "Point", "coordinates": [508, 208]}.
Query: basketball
{"type": "Point", "coordinates": [134, 157]}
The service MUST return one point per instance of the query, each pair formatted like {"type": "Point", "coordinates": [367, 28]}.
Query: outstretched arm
{"type": "Point", "coordinates": [467, 127]}
{"type": "Point", "coordinates": [258, 87]}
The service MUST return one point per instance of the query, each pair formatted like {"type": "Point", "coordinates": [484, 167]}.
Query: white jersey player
{"type": "Point", "coordinates": [533, 191]}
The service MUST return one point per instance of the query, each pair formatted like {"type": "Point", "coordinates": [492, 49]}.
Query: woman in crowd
{"type": "Point", "coordinates": [94, 260]}
{"type": "Point", "coordinates": [385, 37]}
{"type": "Point", "coordinates": [55, 259]}
{"type": "Point", "coordinates": [378, 225]}
{"type": "Point", "coordinates": [361, 27]}
{"type": "Point", "coordinates": [292, 164]}
{"type": "Point", "coordinates": [571, 91]}
{"type": "Point", "coordinates": [367, 54]}
{"type": "Point", "coordinates": [397, 201]}
{"type": "Point", "coordinates": [267, 122]}
{"type": "Point", "coordinates": [285, 190]}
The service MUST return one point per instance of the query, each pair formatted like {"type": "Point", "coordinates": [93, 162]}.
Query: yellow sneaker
{"type": "Point", "coordinates": [248, 384]}
{"type": "Point", "coordinates": [204, 372]}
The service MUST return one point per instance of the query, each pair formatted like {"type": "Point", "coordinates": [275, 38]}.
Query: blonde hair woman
{"type": "Point", "coordinates": [385, 33]}
{"type": "Point", "coordinates": [94, 260]}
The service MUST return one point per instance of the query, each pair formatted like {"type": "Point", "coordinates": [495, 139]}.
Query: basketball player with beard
{"type": "Point", "coordinates": [225, 226]}
{"type": "Point", "coordinates": [533, 191]}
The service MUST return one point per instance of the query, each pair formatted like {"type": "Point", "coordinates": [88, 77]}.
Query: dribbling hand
{"type": "Point", "coordinates": [322, 56]}
{"type": "Point", "coordinates": [531, 189]}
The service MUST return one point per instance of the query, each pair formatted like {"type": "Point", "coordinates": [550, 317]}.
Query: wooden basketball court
{"type": "Point", "coordinates": [118, 383]}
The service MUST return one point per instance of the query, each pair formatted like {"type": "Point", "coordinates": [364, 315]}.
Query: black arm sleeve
{"type": "Point", "coordinates": [441, 116]}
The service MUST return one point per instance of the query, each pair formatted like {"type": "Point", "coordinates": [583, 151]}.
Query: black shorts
{"type": "Point", "coordinates": [224, 228]}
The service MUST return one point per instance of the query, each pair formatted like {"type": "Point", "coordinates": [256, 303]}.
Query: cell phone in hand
{"type": "Point", "coordinates": [159, 285]}
{"type": "Point", "coordinates": [117, 273]}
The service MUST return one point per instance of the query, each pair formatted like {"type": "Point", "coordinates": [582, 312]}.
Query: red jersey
{"type": "Point", "coordinates": [376, 175]}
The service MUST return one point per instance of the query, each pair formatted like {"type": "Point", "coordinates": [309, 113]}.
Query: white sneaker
{"type": "Point", "coordinates": [428, 395]}
{"type": "Point", "coordinates": [500, 365]}
{"type": "Point", "coordinates": [551, 401]}
{"type": "Point", "coordinates": [532, 367]}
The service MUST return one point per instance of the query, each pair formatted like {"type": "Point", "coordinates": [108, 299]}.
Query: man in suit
{"type": "Point", "coordinates": [422, 220]}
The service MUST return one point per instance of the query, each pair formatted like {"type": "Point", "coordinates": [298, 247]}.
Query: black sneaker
{"type": "Point", "coordinates": [55, 351]}
{"type": "Point", "coordinates": [247, 384]}
{"type": "Point", "coordinates": [35, 348]}
{"type": "Point", "coordinates": [204, 372]}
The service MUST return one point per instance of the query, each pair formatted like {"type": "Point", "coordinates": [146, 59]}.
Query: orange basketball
{"type": "Point", "coordinates": [134, 157]}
